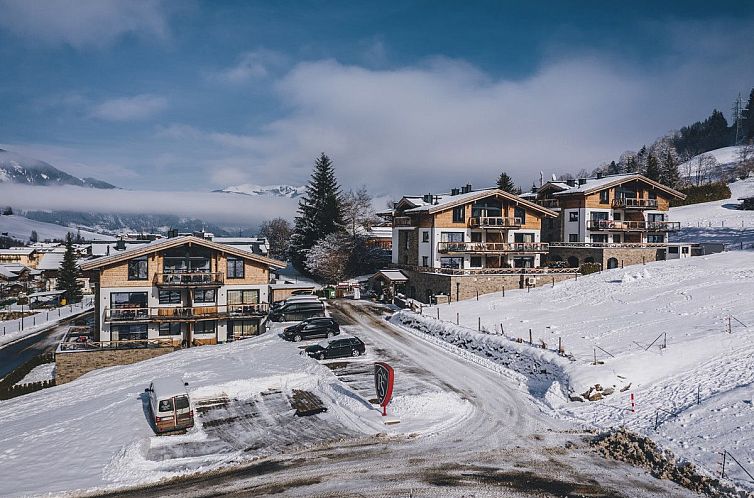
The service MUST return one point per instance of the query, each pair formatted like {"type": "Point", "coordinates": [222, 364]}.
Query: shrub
{"type": "Point", "coordinates": [587, 268]}
{"type": "Point", "coordinates": [703, 193]}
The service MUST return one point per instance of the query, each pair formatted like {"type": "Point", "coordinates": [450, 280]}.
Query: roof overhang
{"type": "Point", "coordinates": [483, 195]}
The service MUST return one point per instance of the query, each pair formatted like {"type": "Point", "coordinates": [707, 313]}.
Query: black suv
{"type": "Point", "coordinates": [296, 311]}
{"type": "Point", "coordinates": [312, 327]}
{"type": "Point", "coordinates": [337, 348]}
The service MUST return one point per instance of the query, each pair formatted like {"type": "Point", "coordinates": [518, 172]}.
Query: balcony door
{"type": "Point", "coordinates": [187, 260]}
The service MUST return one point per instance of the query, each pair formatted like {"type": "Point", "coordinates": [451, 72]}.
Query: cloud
{"type": "Point", "coordinates": [253, 65]}
{"type": "Point", "coordinates": [212, 207]}
{"type": "Point", "coordinates": [133, 108]}
{"type": "Point", "coordinates": [83, 23]}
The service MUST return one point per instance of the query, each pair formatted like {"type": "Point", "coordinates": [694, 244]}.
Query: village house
{"type": "Point", "coordinates": [186, 289]}
{"type": "Point", "coordinates": [612, 220]}
{"type": "Point", "coordinates": [25, 256]}
{"type": "Point", "coordinates": [467, 241]}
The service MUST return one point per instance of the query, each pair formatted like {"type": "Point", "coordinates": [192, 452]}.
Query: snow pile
{"type": "Point", "coordinates": [623, 319]}
{"type": "Point", "coordinates": [40, 373]}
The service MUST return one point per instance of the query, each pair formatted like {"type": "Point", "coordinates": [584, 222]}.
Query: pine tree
{"type": "Point", "coordinates": [653, 168]}
{"type": "Point", "coordinates": [69, 274]}
{"type": "Point", "coordinates": [669, 174]}
{"type": "Point", "coordinates": [319, 212]}
{"type": "Point", "coordinates": [505, 182]}
{"type": "Point", "coordinates": [747, 119]}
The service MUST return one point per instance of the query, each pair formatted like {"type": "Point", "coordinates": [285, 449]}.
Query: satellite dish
{"type": "Point", "coordinates": [554, 178]}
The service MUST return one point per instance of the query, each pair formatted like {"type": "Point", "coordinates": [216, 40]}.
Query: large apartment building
{"type": "Point", "coordinates": [186, 289]}
{"type": "Point", "coordinates": [616, 209]}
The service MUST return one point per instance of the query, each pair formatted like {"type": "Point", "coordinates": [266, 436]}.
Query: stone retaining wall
{"type": "Point", "coordinates": [70, 365]}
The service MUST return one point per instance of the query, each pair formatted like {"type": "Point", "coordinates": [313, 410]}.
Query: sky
{"type": "Point", "coordinates": [405, 97]}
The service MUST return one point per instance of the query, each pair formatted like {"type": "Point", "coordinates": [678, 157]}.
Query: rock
{"type": "Point", "coordinates": [608, 391]}
{"type": "Point", "coordinates": [597, 387]}
{"type": "Point", "coordinates": [576, 397]}
{"type": "Point", "coordinates": [596, 396]}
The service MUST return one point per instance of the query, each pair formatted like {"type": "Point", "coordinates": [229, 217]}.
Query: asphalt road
{"type": "Point", "coordinates": [507, 447]}
{"type": "Point", "coordinates": [15, 354]}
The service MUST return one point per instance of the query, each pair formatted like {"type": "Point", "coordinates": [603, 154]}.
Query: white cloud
{"type": "Point", "coordinates": [133, 108]}
{"type": "Point", "coordinates": [253, 65]}
{"type": "Point", "coordinates": [82, 23]}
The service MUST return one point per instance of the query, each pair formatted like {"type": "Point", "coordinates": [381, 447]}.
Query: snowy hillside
{"type": "Point", "coordinates": [723, 156]}
{"type": "Point", "coordinates": [20, 228]}
{"type": "Point", "coordinates": [17, 168]}
{"type": "Point", "coordinates": [717, 221]}
{"type": "Point", "coordinates": [623, 317]}
{"type": "Point", "coordinates": [265, 190]}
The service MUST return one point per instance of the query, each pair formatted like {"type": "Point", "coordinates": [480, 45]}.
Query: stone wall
{"type": "Point", "coordinates": [459, 287]}
{"type": "Point", "coordinates": [623, 256]}
{"type": "Point", "coordinates": [70, 365]}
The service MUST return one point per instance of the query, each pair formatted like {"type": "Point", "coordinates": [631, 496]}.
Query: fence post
{"type": "Point", "coordinates": [657, 419]}
{"type": "Point", "coordinates": [730, 328]}
{"type": "Point", "coordinates": [699, 395]}
{"type": "Point", "coordinates": [595, 356]}
{"type": "Point", "coordinates": [477, 295]}
{"type": "Point", "coordinates": [503, 291]}
{"type": "Point", "coordinates": [530, 339]}
{"type": "Point", "coordinates": [502, 330]}
{"type": "Point", "coordinates": [33, 320]}
{"type": "Point", "coordinates": [438, 312]}
{"type": "Point", "coordinates": [553, 281]}
{"type": "Point", "coordinates": [458, 320]}
{"type": "Point", "coordinates": [665, 341]}
{"type": "Point", "coordinates": [560, 345]}
{"type": "Point", "coordinates": [479, 324]}
{"type": "Point", "coordinates": [723, 473]}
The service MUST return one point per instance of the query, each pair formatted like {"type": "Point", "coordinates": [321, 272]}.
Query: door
{"type": "Point", "coordinates": [183, 415]}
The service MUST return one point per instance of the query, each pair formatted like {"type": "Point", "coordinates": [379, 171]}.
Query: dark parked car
{"type": "Point", "coordinates": [312, 327]}
{"type": "Point", "coordinates": [337, 348]}
{"type": "Point", "coordinates": [297, 311]}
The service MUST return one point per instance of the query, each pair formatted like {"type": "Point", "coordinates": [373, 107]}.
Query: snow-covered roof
{"type": "Point", "coordinates": [443, 202]}
{"type": "Point", "coordinates": [50, 261]}
{"type": "Point", "coordinates": [381, 232]}
{"type": "Point", "coordinates": [393, 275]}
{"type": "Point", "coordinates": [15, 251]}
{"type": "Point", "coordinates": [591, 185]}
{"type": "Point", "coordinates": [7, 273]}
{"type": "Point", "coordinates": [14, 268]}
{"type": "Point", "coordinates": [46, 293]}
{"type": "Point", "coordinates": [167, 387]}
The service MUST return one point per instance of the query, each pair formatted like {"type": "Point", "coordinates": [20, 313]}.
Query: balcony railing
{"type": "Point", "coordinates": [492, 247]}
{"type": "Point", "coordinates": [488, 271]}
{"type": "Point", "coordinates": [178, 314]}
{"type": "Point", "coordinates": [494, 222]}
{"type": "Point", "coordinates": [402, 221]}
{"type": "Point", "coordinates": [609, 245]}
{"type": "Point", "coordinates": [188, 279]}
{"type": "Point", "coordinates": [631, 203]}
{"type": "Point", "coordinates": [549, 203]}
{"type": "Point", "coordinates": [633, 226]}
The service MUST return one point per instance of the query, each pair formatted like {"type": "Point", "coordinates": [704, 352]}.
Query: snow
{"type": "Point", "coordinates": [98, 424]}
{"type": "Point", "coordinates": [628, 313]}
{"type": "Point", "coordinates": [724, 155]}
{"type": "Point", "coordinates": [717, 221]}
{"type": "Point", "coordinates": [20, 228]}
{"type": "Point", "coordinates": [273, 190]}
{"type": "Point", "coordinates": [43, 319]}
{"type": "Point", "coordinates": [39, 373]}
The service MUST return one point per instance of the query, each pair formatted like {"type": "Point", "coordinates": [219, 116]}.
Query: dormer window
{"type": "Point", "coordinates": [604, 196]}
{"type": "Point", "coordinates": [459, 214]}
{"type": "Point", "coordinates": [137, 268]}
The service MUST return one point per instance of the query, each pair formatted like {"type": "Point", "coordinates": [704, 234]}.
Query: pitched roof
{"type": "Point", "coordinates": [163, 244]}
{"type": "Point", "coordinates": [596, 184]}
{"type": "Point", "coordinates": [446, 201]}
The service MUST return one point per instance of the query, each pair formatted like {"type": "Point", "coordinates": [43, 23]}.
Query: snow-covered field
{"type": "Point", "coordinates": [717, 221]}
{"type": "Point", "coordinates": [20, 228]}
{"type": "Point", "coordinates": [39, 373]}
{"type": "Point", "coordinates": [622, 316]}
{"type": "Point", "coordinates": [96, 428]}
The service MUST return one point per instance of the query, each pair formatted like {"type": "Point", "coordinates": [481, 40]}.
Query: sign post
{"type": "Point", "coordinates": [384, 376]}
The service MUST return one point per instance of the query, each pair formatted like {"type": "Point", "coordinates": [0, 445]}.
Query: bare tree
{"type": "Point", "coordinates": [358, 211]}
{"type": "Point", "coordinates": [278, 232]}
{"type": "Point", "coordinates": [704, 166]}
{"type": "Point", "coordinates": [582, 173]}
{"type": "Point", "coordinates": [745, 161]}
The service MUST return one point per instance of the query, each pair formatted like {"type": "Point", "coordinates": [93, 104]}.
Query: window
{"type": "Point", "coordinates": [235, 267]}
{"type": "Point", "coordinates": [174, 328]}
{"type": "Point", "coordinates": [425, 236]}
{"type": "Point", "coordinates": [137, 268]}
{"type": "Point", "coordinates": [247, 296]}
{"type": "Point", "coordinates": [181, 402]}
{"type": "Point", "coordinates": [476, 261]}
{"type": "Point", "coordinates": [655, 239]}
{"type": "Point", "coordinates": [170, 297]}
{"type": "Point", "coordinates": [617, 216]}
{"type": "Point", "coordinates": [599, 238]}
{"type": "Point", "coordinates": [652, 217]}
{"type": "Point", "coordinates": [120, 300]}
{"type": "Point", "coordinates": [673, 250]}
{"type": "Point", "coordinates": [617, 238]}
{"type": "Point", "coordinates": [612, 263]}
{"type": "Point", "coordinates": [166, 405]}
{"type": "Point", "coordinates": [684, 250]}
{"type": "Point", "coordinates": [573, 237]}
{"type": "Point", "coordinates": [451, 262]}
{"type": "Point", "coordinates": [459, 214]}
{"type": "Point", "coordinates": [604, 196]}
{"type": "Point", "coordinates": [208, 327]}
{"type": "Point", "coordinates": [451, 236]}
{"type": "Point", "coordinates": [242, 328]}
{"type": "Point", "coordinates": [425, 260]}
{"type": "Point", "coordinates": [653, 194]}
{"type": "Point", "coordinates": [520, 213]}
{"type": "Point", "coordinates": [130, 332]}
{"type": "Point", "coordinates": [523, 237]}
{"type": "Point", "coordinates": [599, 216]}
{"type": "Point", "coordinates": [204, 296]}
{"type": "Point", "coordinates": [573, 216]}
{"type": "Point", "coordinates": [476, 236]}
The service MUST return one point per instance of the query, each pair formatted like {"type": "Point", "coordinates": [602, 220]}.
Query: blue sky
{"type": "Point", "coordinates": [406, 97]}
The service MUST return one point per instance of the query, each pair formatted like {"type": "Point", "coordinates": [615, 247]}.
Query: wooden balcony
{"type": "Point", "coordinates": [491, 247]}
{"type": "Point", "coordinates": [633, 226]}
{"type": "Point", "coordinates": [494, 222]}
{"type": "Point", "coordinates": [189, 279]}
{"type": "Point", "coordinates": [184, 314]}
{"type": "Point", "coordinates": [630, 203]}
{"type": "Point", "coordinates": [489, 271]}
{"type": "Point", "coordinates": [549, 203]}
{"type": "Point", "coordinates": [402, 221]}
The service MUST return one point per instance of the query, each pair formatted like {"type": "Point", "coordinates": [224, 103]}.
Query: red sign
{"type": "Point", "coordinates": [383, 384]}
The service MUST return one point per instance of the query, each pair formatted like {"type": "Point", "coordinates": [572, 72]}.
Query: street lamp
{"type": "Point", "coordinates": [22, 297]}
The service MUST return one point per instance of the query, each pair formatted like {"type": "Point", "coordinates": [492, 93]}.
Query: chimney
{"type": "Point", "coordinates": [468, 188]}
{"type": "Point", "coordinates": [582, 181]}
{"type": "Point", "coordinates": [427, 198]}
{"type": "Point", "coordinates": [600, 174]}
{"type": "Point", "coordinates": [571, 182]}
{"type": "Point", "coordinates": [120, 245]}
{"type": "Point", "coordinates": [454, 191]}
{"type": "Point", "coordinates": [172, 233]}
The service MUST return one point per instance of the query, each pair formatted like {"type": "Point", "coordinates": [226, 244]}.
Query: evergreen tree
{"type": "Point", "coordinates": [69, 274]}
{"type": "Point", "coordinates": [747, 119]}
{"type": "Point", "coordinates": [505, 182]}
{"type": "Point", "coordinates": [669, 174]}
{"type": "Point", "coordinates": [33, 237]}
{"type": "Point", "coordinates": [653, 168]}
{"type": "Point", "coordinates": [319, 212]}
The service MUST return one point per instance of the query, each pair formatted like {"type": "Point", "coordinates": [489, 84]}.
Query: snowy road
{"type": "Point", "coordinates": [504, 446]}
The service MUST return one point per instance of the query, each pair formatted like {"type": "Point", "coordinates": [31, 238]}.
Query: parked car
{"type": "Point", "coordinates": [297, 299]}
{"type": "Point", "coordinates": [312, 327]}
{"type": "Point", "coordinates": [297, 311]}
{"type": "Point", "coordinates": [170, 405]}
{"type": "Point", "coordinates": [302, 292]}
{"type": "Point", "coordinates": [336, 348]}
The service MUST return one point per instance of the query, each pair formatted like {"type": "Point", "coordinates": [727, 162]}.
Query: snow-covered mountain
{"type": "Point", "coordinates": [259, 190]}
{"type": "Point", "coordinates": [17, 168]}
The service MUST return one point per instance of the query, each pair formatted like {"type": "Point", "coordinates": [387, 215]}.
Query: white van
{"type": "Point", "coordinates": [170, 404]}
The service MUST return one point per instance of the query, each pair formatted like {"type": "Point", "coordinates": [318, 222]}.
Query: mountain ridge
{"type": "Point", "coordinates": [20, 169]}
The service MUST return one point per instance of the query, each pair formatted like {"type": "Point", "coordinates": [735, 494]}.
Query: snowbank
{"type": "Point", "coordinates": [10, 330]}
